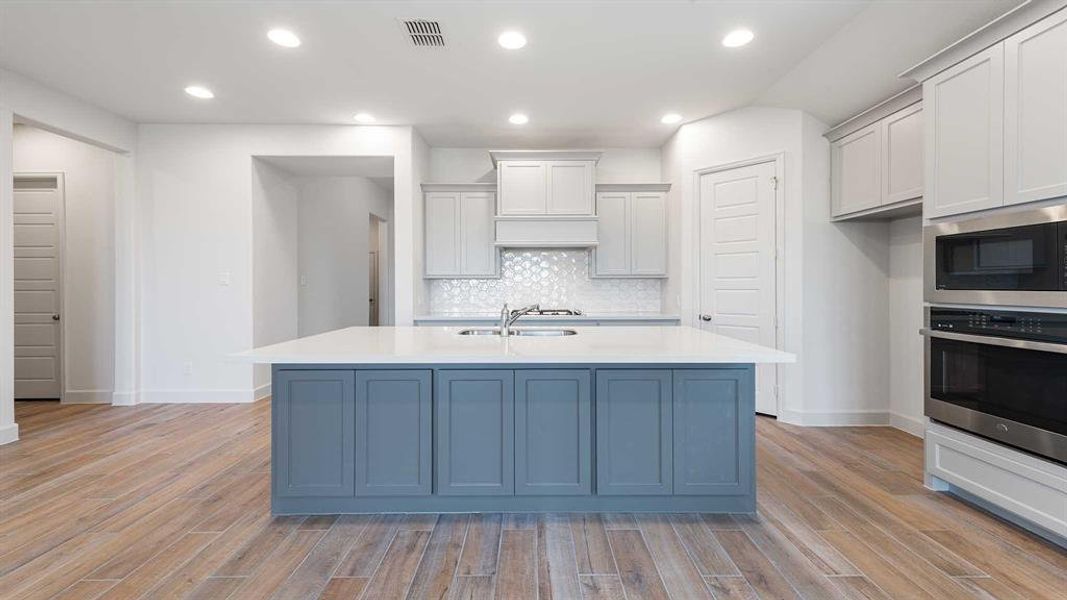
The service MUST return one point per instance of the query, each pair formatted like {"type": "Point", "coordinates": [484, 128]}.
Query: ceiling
{"type": "Point", "coordinates": [594, 73]}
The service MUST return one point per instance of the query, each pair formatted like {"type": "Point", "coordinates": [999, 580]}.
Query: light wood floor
{"type": "Point", "coordinates": [171, 501]}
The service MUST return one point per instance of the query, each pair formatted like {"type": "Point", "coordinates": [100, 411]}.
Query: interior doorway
{"type": "Point", "coordinates": [374, 270]}
{"type": "Point", "coordinates": [38, 268]}
{"type": "Point", "coordinates": [737, 283]}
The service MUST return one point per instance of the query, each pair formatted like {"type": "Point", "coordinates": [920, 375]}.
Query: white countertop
{"type": "Point", "coordinates": [631, 316]}
{"type": "Point", "coordinates": [443, 345]}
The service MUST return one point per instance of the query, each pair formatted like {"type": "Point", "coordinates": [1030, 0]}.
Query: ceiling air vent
{"type": "Point", "coordinates": [425, 34]}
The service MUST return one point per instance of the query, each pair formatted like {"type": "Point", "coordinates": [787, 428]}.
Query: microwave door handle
{"type": "Point", "coordinates": [996, 341]}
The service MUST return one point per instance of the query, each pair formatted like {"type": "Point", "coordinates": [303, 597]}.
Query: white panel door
{"type": "Point", "coordinates": [902, 155]}
{"type": "Point", "coordinates": [570, 187]}
{"type": "Point", "coordinates": [477, 250]}
{"type": "Point", "coordinates": [737, 284]}
{"type": "Point", "coordinates": [442, 234]}
{"type": "Point", "coordinates": [963, 107]}
{"type": "Point", "coordinates": [523, 187]}
{"type": "Point", "coordinates": [1035, 112]}
{"type": "Point", "coordinates": [611, 257]}
{"type": "Point", "coordinates": [648, 245]}
{"type": "Point", "coordinates": [856, 170]}
{"type": "Point", "coordinates": [38, 213]}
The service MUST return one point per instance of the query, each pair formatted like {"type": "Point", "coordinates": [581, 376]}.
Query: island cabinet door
{"type": "Point", "coordinates": [314, 429]}
{"type": "Point", "coordinates": [634, 429]}
{"type": "Point", "coordinates": [553, 432]}
{"type": "Point", "coordinates": [714, 429]}
{"type": "Point", "coordinates": [393, 429]}
{"type": "Point", "coordinates": [475, 425]}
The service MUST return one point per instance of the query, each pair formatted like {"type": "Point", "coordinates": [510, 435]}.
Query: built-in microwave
{"type": "Point", "coordinates": [1000, 374]}
{"type": "Point", "coordinates": [1016, 259]}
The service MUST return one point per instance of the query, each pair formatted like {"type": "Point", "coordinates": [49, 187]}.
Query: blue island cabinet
{"type": "Point", "coordinates": [671, 438]}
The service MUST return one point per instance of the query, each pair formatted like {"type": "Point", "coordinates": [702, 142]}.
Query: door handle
{"type": "Point", "coordinates": [55, 317]}
{"type": "Point", "coordinates": [705, 318]}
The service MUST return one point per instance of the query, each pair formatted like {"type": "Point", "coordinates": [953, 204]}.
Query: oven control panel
{"type": "Point", "coordinates": [1038, 326]}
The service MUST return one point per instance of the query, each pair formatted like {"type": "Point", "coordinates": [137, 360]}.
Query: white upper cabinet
{"type": "Point", "coordinates": [1035, 112]}
{"type": "Point", "coordinates": [570, 187]}
{"type": "Point", "coordinates": [902, 157]}
{"type": "Point", "coordinates": [877, 171]}
{"type": "Point", "coordinates": [523, 187]}
{"type": "Point", "coordinates": [459, 233]}
{"type": "Point", "coordinates": [632, 231]}
{"type": "Point", "coordinates": [964, 106]}
{"type": "Point", "coordinates": [856, 163]}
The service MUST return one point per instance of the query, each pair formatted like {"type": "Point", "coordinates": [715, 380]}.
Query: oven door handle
{"type": "Point", "coordinates": [996, 341]}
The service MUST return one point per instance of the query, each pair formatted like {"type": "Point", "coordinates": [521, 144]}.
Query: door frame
{"type": "Point", "coordinates": [61, 244]}
{"type": "Point", "coordinates": [778, 159]}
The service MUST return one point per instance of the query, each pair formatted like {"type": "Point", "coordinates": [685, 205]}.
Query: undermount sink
{"type": "Point", "coordinates": [521, 332]}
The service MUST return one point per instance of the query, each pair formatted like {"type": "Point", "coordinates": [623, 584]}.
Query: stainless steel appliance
{"type": "Point", "coordinates": [1015, 259]}
{"type": "Point", "coordinates": [1000, 374]}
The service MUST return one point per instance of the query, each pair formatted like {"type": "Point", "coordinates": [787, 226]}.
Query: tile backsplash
{"type": "Point", "coordinates": [554, 278]}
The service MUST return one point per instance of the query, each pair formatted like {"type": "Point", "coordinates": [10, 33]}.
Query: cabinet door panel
{"type": "Point", "coordinates": [314, 429]}
{"type": "Point", "coordinates": [523, 187]}
{"type": "Point", "coordinates": [612, 253]}
{"type": "Point", "coordinates": [570, 187]}
{"type": "Point", "coordinates": [634, 429]}
{"type": "Point", "coordinates": [553, 433]}
{"type": "Point", "coordinates": [856, 169]}
{"type": "Point", "coordinates": [963, 107]}
{"type": "Point", "coordinates": [475, 421]}
{"type": "Point", "coordinates": [478, 253]}
{"type": "Point", "coordinates": [713, 424]}
{"type": "Point", "coordinates": [393, 433]}
{"type": "Point", "coordinates": [648, 246]}
{"type": "Point", "coordinates": [442, 233]}
{"type": "Point", "coordinates": [902, 158]}
{"type": "Point", "coordinates": [1035, 112]}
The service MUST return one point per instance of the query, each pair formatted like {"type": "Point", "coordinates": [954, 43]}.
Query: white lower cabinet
{"type": "Point", "coordinates": [631, 231]}
{"type": "Point", "coordinates": [1013, 481]}
{"type": "Point", "coordinates": [459, 233]}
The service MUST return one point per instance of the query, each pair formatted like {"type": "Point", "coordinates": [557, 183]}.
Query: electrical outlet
{"type": "Point", "coordinates": [303, 280]}
{"type": "Point", "coordinates": [224, 278]}
{"type": "Point", "coordinates": [187, 368]}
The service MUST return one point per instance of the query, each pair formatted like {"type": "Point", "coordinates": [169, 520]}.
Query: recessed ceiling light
{"type": "Point", "coordinates": [199, 91]}
{"type": "Point", "coordinates": [364, 118]}
{"type": "Point", "coordinates": [518, 119]}
{"type": "Point", "coordinates": [670, 118]}
{"type": "Point", "coordinates": [512, 40]}
{"type": "Point", "coordinates": [283, 37]}
{"type": "Point", "coordinates": [737, 38]}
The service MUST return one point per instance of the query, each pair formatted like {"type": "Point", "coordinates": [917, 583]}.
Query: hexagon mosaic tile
{"type": "Point", "coordinates": [553, 278]}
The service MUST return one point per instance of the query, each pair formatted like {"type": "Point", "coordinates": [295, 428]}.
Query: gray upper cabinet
{"type": "Point", "coordinates": [634, 431]}
{"type": "Point", "coordinates": [459, 232]}
{"type": "Point", "coordinates": [879, 166]}
{"type": "Point", "coordinates": [393, 433]}
{"type": "Point", "coordinates": [314, 424]}
{"type": "Point", "coordinates": [714, 444]}
{"type": "Point", "coordinates": [474, 425]}
{"type": "Point", "coordinates": [553, 432]}
{"type": "Point", "coordinates": [631, 231]}
{"type": "Point", "coordinates": [1035, 112]}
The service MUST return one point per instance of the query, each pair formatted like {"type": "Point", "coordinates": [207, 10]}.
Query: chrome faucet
{"type": "Point", "coordinates": [508, 317]}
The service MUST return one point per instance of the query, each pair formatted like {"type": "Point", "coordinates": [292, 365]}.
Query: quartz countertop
{"type": "Point", "coordinates": [444, 345]}
{"type": "Point", "coordinates": [487, 317]}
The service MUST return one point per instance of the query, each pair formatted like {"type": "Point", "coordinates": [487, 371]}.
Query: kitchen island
{"type": "Point", "coordinates": [406, 419]}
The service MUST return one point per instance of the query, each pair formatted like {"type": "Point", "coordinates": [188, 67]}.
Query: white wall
{"type": "Point", "coordinates": [334, 242]}
{"type": "Point", "coordinates": [906, 391]}
{"type": "Point", "coordinates": [88, 256]}
{"type": "Point", "coordinates": [831, 277]}
{"type": "Point", "coordinates": [617, 165]}
{"type": "Point", "coordinates": [196, 221]}
{"type": "Point", "coordinates": [274, 260]}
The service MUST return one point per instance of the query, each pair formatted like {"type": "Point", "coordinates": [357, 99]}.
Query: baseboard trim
{"type": "Point", "coordinates": [914, 426]}
{"type": "Point", "coordinates": [9, 433]}
{"type": "Point", "coordinates": [261, 392]}
{"type": "Point", "coordinates": [246, 396]}
{"type": "Point", "coordinates": [124, 398]}
{"type": "Point", "coordinates": [850, 418]}
{"type": "Point", "coordinates": [87, 397]}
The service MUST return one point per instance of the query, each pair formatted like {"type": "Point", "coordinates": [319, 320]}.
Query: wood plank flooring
{"type": "Point", "coordinates": [171, 501]}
